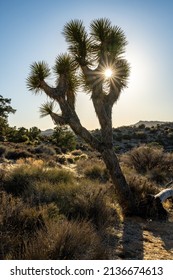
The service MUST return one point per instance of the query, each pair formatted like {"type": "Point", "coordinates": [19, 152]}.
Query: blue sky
{"type": "Point", "coordinates": [31, 31]}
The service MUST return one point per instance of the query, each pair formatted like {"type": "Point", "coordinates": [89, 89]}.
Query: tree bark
{"type": "Point", "coordinates": [122, 189]}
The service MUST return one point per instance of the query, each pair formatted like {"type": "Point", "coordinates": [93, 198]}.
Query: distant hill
{"type": "Point", "coordinates": [149, 123]}
{"type": "Point", "coordinates": [47, 132]}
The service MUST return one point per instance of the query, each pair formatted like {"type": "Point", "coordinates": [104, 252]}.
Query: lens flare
{"type": "Point", "coordinates": [108, 73]}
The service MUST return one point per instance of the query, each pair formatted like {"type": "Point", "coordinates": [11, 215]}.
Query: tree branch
{"type": "Point", "coordinates": [51, 92]}
{"type": "Point", "coordinates": [58, 119]}
{"type": "Point", "coordinates": [113, 95]}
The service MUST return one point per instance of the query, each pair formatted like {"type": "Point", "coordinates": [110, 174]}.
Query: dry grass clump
{"type": "Point", "coordinates": [23, 179]}
{"type": "Point", "coordinates": [66, 241]}
{"type": "Point", "coordinates": [18, 224]}
{"type": "Point", "coordinates": [77, 241]}
{"type": "Point", "coordinates": [44, 150]}
{"type": "Point", "coordinates": [141, 187]}
{"type": "Point", "coordinates": [77, 200]}
{"type": "Point", "coordinates": [144, 158]}
{"type": "Point", "coordinates": [50, 213]}
{"type": "Point", "coordinates": [62, 194]}
{"type": "Point", "coordinates": [31, 161]}
{"type": "Point", "coordinates": [92, 202]}
{"type": "Point", "coordinates": [150, 161]}
{"type": "Point", "coordinates": [144, 191]}
{"type": "Point", "coordinates": [93, 169]}
{"type": "Point", "coordinates": [43, 233]}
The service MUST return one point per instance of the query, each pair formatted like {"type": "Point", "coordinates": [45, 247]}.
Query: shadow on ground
{"type": "Point", "coordinates": [144, 240]}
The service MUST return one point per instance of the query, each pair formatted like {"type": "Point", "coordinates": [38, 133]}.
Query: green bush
{"type": "Point", "coordinates": [64, 138]}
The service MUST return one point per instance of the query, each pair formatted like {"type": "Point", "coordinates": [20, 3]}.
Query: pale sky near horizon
{"type": "Point", "coordinates": [32, 31]}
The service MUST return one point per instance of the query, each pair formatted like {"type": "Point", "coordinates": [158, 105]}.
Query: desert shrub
{"type": "Point", "coordinates": [45, 150]}
{"type": "Point", "coordinates": [42, 233]}
{"type": "Point", "coordinates": [17, 154]}
{"type": "Point", "coordinates": [18, 217]}
{"type": "Point", "coordinates": [76, 152]}
{"type": "Point", "coordinates": [18, 181]}
{"type": "Point", "coordinates": [62, 194]}
{"type": "Point", "coordinates": [31, 161]}
{"type": "Point", "coordinates": [77, 201]}
{"type": "Point", "coordinates": [141, 187]}
{"type": "Point", "coordinates": [159, 175]}
{"type": "Point", "coordinates": [117, 148]}
{"type": "Point", "coordinates": [151, 161]}
{"type": "Point", "coordinates": [47, 192]}
{"type": "Point", "coordinates": [57, 176]}
{"type": "Point", "coordinates": [146, 204]}
{"type": "Point", "coordinates": [70, 160]}
{"type": "Point", "coordinates": [77, 241]}
{"type": "Point", "coordinates": [145, 158]}
{"type": "Point", "coordinates": [64, 138]}
{"type": "Point", "coordinates": [61, 159]}
{"type": "Point", "coordinates": [97, 172]}
{"type": "Point", "coordinates": [93, 169]}
{"type": "Point", "coordinates": [90, 202]}
{"type": "Point", "coordinates": [18, 224]}
{"type": "Point", "coordinates": [51, 163]}
{"type": "Point", "coordinates": [2, 150]}
{"type": "Point", "coordinates": [22, 180]}
{"type": "Point", "coordinates": [65, 241]}
{"type": "Point", "coordinates": [2, 177]}
{"type": "Point", "coordinates": [27, 221]}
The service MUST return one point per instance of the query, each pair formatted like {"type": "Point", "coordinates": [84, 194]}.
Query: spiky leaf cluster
{"type": "Point", "coordinates": [79, 43]}
{"type": "Point", "coordinates": [102, 48]}
{"type": "Point", "coordinates": [46, 109]}
{"type": "Point", "coordinates": [64, 64]}
{"type": "Point", "coordinates": [39, 72]}
{"type": "Point", "coordinates": [65, 67]}
{"type": "Point", "coordinates": [120, 78]}
{"type": "Point", "coordinates": [109, 41]}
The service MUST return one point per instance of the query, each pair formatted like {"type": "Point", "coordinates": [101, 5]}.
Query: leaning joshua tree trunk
{"type": "Point", "coordinates": [95, 61]}
{"type": "Point", "coordinates": [104, 147]}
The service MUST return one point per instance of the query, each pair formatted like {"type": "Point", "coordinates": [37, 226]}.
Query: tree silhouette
{"type": "Point", "coordinates": [5, 110]}
{"type": "Point", "coordinates": [90, 55]}
{"type": "Point", "coordinates": [5, 107]}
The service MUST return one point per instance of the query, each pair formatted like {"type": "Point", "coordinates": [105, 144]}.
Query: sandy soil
{"type": "Point", "coordinates": [144, 240]}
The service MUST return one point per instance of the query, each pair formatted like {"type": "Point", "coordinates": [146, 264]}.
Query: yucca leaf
{"type": "Point", "coordinates": [46, 109]}
{"type": "Point", "coordinates": [39, 72]}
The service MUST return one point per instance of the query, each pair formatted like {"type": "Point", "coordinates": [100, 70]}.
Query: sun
{"type": "Point", "coordinates": [108, 73]}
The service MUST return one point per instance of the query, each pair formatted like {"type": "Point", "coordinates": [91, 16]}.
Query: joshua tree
{"type": "Point", "coordinates": [96, 62]}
